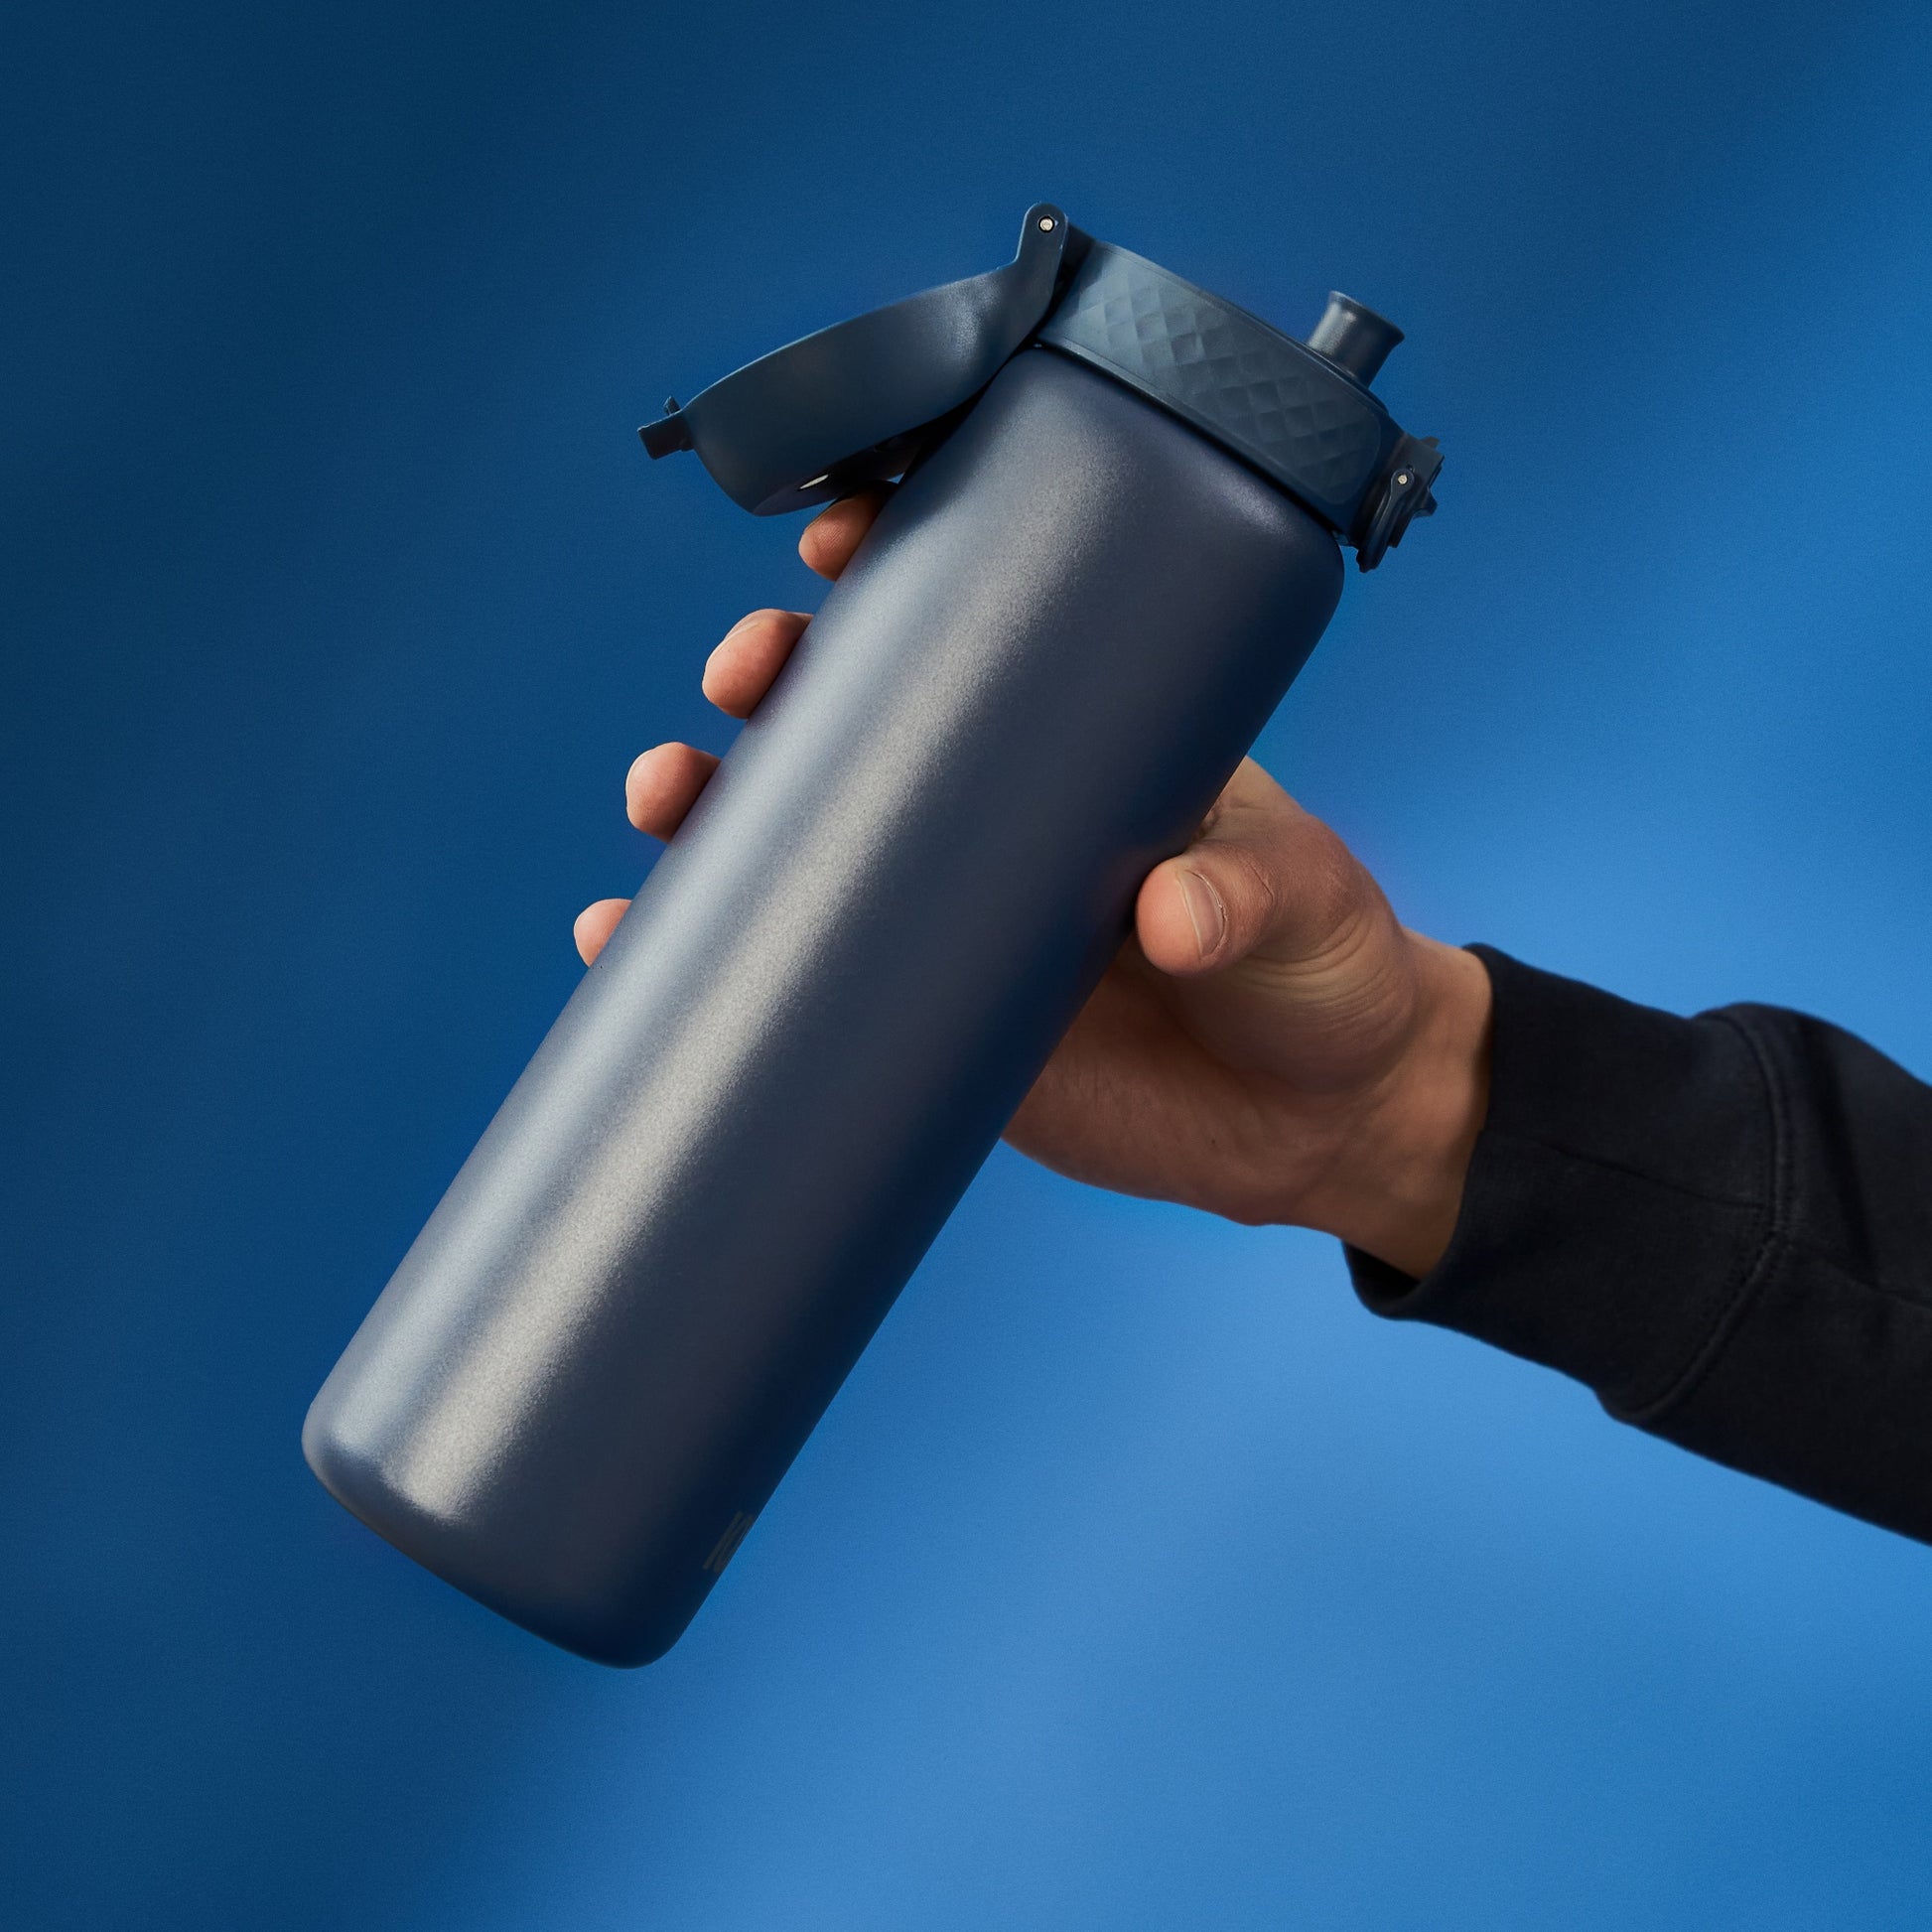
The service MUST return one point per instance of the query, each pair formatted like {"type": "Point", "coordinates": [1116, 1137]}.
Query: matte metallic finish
{"type": "Point", "coordinates": [841, 978]}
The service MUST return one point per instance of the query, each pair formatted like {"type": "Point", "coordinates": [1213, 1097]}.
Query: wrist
{"type": "Point", "coordinates": [1395, 1184]}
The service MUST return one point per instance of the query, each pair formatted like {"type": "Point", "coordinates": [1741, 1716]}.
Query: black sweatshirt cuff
{"type": "Point", "coordinates": [1618, 1203]}
{"type": "Point", "coordinates": [1723, 1225]}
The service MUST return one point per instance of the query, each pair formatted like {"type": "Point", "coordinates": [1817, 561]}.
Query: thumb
{"type": "Point", "coordinates": [1265, 880]}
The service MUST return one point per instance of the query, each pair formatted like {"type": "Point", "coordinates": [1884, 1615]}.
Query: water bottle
{"type": "Point", "coordinates": [1116, 541]}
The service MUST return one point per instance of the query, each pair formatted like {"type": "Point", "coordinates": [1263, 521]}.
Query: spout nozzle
{"type": "Point", "coordinates": [1354, 337]}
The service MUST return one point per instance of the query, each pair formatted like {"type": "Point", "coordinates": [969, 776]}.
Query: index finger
{"type": "Point", "coordinates": [834, 534]}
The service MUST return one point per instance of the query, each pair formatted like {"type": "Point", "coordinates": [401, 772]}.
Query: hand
{"type": "Point", "coordinates": [1270, 1045]}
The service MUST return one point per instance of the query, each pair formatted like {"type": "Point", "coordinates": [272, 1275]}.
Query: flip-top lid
{"type": "Point", "coordinates": [854, 402]}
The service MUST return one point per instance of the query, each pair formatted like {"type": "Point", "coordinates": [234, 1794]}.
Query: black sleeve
{"type": "Point", "coordinates": [1723, 1225]}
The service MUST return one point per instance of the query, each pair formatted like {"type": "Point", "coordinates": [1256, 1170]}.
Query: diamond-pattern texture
{"type": "Point", "coordinates": [1247, 386]}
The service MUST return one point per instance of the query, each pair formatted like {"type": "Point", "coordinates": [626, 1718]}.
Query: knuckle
{"type": "Point", "coordinates": [1333, 877]}
{"type": "Point", "coordinates": [1257, 899]}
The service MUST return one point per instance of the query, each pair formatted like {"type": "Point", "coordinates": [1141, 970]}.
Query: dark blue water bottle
{"type": "Point", "coordinates": [1116, 543]}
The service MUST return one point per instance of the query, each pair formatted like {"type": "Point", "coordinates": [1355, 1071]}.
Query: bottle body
{"type": "Point", "coordinates": [839, 979]}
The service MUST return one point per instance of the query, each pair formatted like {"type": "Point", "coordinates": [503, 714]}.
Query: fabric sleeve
{"type": "Point", "coordinates": [1723, 1225]}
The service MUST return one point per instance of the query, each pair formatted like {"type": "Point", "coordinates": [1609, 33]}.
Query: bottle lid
{"type": "Point", "coordinates": [855, 403]}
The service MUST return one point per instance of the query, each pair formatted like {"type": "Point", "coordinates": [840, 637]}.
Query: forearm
{"type": "Point", "coordinates": [1723, 1225]}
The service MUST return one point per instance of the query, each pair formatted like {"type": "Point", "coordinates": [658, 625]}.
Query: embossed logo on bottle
{"type": "Point", "coordinates": [726, 1547]}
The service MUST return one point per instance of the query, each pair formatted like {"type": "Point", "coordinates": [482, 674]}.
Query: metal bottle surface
{"type": "Point", "coordinates": [839, 981]}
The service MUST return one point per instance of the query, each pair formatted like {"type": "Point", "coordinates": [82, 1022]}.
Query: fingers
{"type": "Point", "coordinates": [740, 671]}
{"type": "Point", "coordinates": [595, 926]}
{"type": "Point", "coordinates": [1265, 880]}
{"type": "Point", "coordinates": [663, 784]}
{"type": "Point", "coordinates": [659, 788]}
{"type": "Point", "coordinates": [833, 534]}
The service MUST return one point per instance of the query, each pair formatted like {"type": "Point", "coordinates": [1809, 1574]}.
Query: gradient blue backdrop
{"type": "Point", "coordinates": [1138, 1577]}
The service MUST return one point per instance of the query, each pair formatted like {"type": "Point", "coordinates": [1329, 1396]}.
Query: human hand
{"type": "Point", "coordinates": [1270, 1045]}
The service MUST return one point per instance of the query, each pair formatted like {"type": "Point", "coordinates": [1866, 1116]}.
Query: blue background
{"type": "Point", "coordinates": [1138, 1577]}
